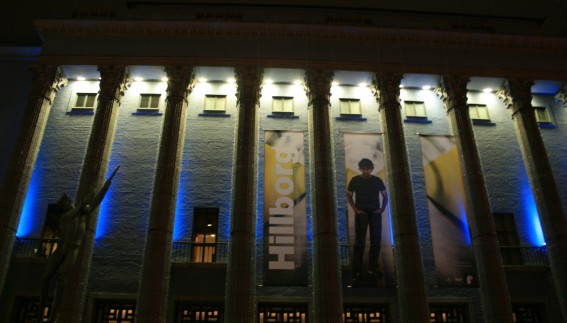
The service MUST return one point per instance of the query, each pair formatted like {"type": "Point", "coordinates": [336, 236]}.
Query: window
{"type": "Point", "coordinates": [542, 115]}
{"type": "Point", "coordinates": [194, 313]}
{"type": "Point", "coordinates": [26, 310]}
{"type": "Point", "coordinates": [290, 313]}
{"type": "Point", "coordinates": [119, 311]}
{"type": "Point", "coordinates": [282, 104]}
{"type": "Point", "coordinates": [447, 313]}
{"type": "Point", "coordinates": [149, 101]}
{"type": "Point", "coordinates": [85, 100]}
{"type": "Point", "coordinates": [508, 239]}
{"type": "Point", "coordinates": [415, 109]}
{"type": "Point", "coordinates": [528, 313]}
{"type": "Point", "coordinates": [350, 107]}
{"type": "Point", "coordinates": [205, 227]}
{"type": "Point", "coordinates": [478, 112]}
{"type": "Point", "coordinates": [215, 103]}
{"type": "Point", "coordinates": [365, 314]}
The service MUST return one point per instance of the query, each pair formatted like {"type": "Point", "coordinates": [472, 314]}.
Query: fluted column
{"type": "Point", "coordinates": [409, 268]}
{"type": "Point", "coordinates": [47, 80]}
{"type": "Point", "coordinates": [240, 299]}
{"type": "Point", "coordinates": [517, 95]}
{"type": "Point", "coordinates": [327, 289]}
{"type": "Point", "coordinates": [113, 83]}
{"type": "Point", "coordinates": [154, 282]}
{"type": "Point", "coordinates": [491, 276]}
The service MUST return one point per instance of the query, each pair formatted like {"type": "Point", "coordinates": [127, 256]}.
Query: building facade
{"type": "Point", "coordinates": [237, 130]}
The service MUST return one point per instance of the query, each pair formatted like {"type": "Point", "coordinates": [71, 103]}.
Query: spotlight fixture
{"type": "Point", "coordinates": [164, 79]}
{"type": "Point", "coordinates": [268, 81]}
{"type": "Point", "coordinates": [426, 87]}
{"type": "Point", "coordinates": [231, 80]}
{"type": "Point", "coordinates": [362, 84]}
{"type": "Point", "coordinates": [81, 78]}
{"type": "Point", "coordinates": [297, 82]}
{"type": "Point", "coordinates": [138, 79]}
{"type": "Point", "coordinates": [202, 80]}
{"type": "Point", "coordinates": [487, 90]}
{"type": "Point", "coordinates": [335, 83]}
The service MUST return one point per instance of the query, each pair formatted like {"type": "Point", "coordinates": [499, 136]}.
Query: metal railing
{"type": "Point", "coordinates": [524, 256]}
{"type": "Point", "coordinates": [34, 247]}
{"type": "Point", "coordinates": [199, 252]}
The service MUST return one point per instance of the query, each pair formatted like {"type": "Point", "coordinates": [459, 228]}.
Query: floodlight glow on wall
{"type": "Point", "coordinates": [335, 83]}
{"type": "Point", "coordinates": [138, 79]}
{"type": "Point", "coordinates": [81, 78]}
{"type": "Point", "coordinates": [164, 79]}
{"type": "Point", "coordinates": [426, 87]}
{"type": "Point", "coordinates": [487, 90]}
{"type": "Point", "coordinates": [231, 80]}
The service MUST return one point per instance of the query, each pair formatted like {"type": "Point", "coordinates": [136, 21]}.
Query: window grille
{"type": "Point", "coordinates": [194, 313]}
{"type": "Point", "coordinates": [507, 236]}
{"type": "Point", "coordinates": [282, 104]}
{"type": "Point", "coordinates": [415, 109]}
{"type": "Point", "coordinates": [350, 107]}
{"type": "Point", "coordinates": [27, 311]}
{"type": "Point", "coordinates": [114, 311]}
{"type": "Point", "coordinates": [542, 115]}
{"type": "Point", "coordinates": [149, 101]}
{"type": "Point", "coordinates": [215, 103]}
{"type": "Point", "coordinates": [478, 112]}
{"type": "Point", "coordinates": [527, 313]}
{"type": "Point", "coordinates": [447, 313]}
{"type": "Point", "coordinates": [85, 100]}
{"type": "Point", "coordinates": [290, 313]}
{"type": "Point", "coordinates": [365, 314]}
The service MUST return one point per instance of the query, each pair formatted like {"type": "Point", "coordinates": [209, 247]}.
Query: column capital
{"type": "Point", "coordinates": [386, 88]}
{"type": "Point", "coordinates": [46, 81]}
{"type": "Point", "coordinates": [114, 81]}
{"type": "Point", "coordinates": [249, 84]}
{"type": "Point", "coordinates": [180, 81]}
{"type": "Point", "coordinates": [516, 94]}
{"type": "Point", "coordinates": [453, 91]}
{"type": "Point", "coordinates": [318, 86]}
{"type": "Point", "coordinates": [561, 96]}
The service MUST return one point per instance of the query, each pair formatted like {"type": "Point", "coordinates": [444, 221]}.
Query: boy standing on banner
{"type": "Point", "coordinates": [363, 195]}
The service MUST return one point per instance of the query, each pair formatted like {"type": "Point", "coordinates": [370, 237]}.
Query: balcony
{"type": "Point", "coordinates": [34, 247]}
{"type": "Point", "coordinates": [524, 256]}
{"type": "Point", "coordinates": [199, 252]}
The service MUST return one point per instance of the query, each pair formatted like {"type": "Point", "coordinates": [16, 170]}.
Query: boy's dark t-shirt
{"type": "Point", "coordinates": [366, 192]}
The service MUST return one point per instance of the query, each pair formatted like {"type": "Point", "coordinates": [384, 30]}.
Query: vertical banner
{"type": "Point", "coordinates": [285, 234]}
{"type": "Point", "coordinates": [454, 259]}
{"type": "Point", "coordinates": [370, 240]}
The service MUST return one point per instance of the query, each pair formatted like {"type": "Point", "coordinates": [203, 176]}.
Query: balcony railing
{"type": "Point", "coordinates": [524, 256]}
{"type": "Point", "coordinates": [34, 247]}
{"type": "Point", "coordinates": [200, 252]}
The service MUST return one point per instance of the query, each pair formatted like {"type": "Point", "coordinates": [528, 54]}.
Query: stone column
{"type": "Point", "coordinates": [113, 83]}
{"type": "Point", "coordinates": [47, 80]}
{"type": "Point", "coordinates": [409, 268]}
{"type": "Point", "coordinates": [517, 95]}
{"type": "Point", "coordinates": [327, 289]}
{"type": "Point", "coordinates": [240, 299]}
{"type": "Point", "coordinates": [494, 295]}
{"type": "Point", "coordinates": [154, 282]}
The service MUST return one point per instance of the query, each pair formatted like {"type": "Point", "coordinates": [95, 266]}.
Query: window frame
{"type": "Point", "coordinates": [544, 109]}
{"type": "Point", "coordinates": [150, 101]}
{"type": "Point", "coordinates": [350, 101]}
{"type": "Point", "coordinates": [415, 115]}
{"type": "Point", "coordinates": [474, 107]}
{"type": "Point", "coordinates": [215, 97]}
{"type": "Point", "coordinates": [83, 107]}
{"type": "Point", "coordinates": [283, 100]}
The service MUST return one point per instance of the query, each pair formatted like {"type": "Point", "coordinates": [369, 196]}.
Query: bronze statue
{"type": "Point", "coordinates": [72, 225]}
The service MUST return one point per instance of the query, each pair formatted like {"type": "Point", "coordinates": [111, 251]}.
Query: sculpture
{"type": "Point", "coordinates": [72, 225]}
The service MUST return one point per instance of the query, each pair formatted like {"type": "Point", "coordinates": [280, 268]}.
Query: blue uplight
{"type": "Point", "coordinates": [532, 222]}
{"type": "Point", "coordinates": [26, 225]}
{"type": "Point", "coordinates": [105, 210]}
{"type": "Point", "coordinates": [181, 213]}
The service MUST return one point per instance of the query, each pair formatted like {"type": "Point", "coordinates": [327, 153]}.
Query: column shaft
{"type": "Point", "coordinates": [409, 269]}
{"type": "Point", "coordinates": [46, 81]}
{"type": "Point", "coordinates": [544, 188]}
{"type": "Point", "coordinates": [240, 301]}
{"type": "Point", "coordinates": [327, 290]}
{"type": "Point", "coordinates": [154, 282]}
{"type": "Point", "coordinates": [93, 176]}
{"type": "Point", "coordinates": [492, 278]}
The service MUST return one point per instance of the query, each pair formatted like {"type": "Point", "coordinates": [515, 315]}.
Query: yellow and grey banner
{"type": "Point", "coordinates": [285, 234]}
{"type": "Point", "coordinates": [454, 260]}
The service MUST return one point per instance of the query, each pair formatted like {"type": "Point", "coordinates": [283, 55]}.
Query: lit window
{"type": "Point", "coordinates": [198, 313]}
{"type": "Point", "coordinates": [282, 104]}
{"type": "Point", "coordinates": [478, 112]}
{"type": "Point", "coordinates": [542, 115]}
{"type": "Point", "coordinates": [115, 311]}
{"type": "Point", "coordinates": [205, 227]}
{"type": "Point", "coordinates": [215, 102]}
{"type": "Point", "coordinates": [451, 313]}
{"type": "Point", "coordinates": [85, 100]}
{"type": "Point", "coordinates": [415, 109]}
{"type": "Point", "coordinates": [365, 313]}
{"type": "Point", "coordinates": [350, 106]}
{"type": "Point", "coordinates": [278, 313]}
{"type": "Point", "coordinates": [149, 101]}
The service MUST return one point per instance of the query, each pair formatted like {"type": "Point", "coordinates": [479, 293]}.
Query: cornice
{"type": "Point", "coordinates": [49, 28]}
